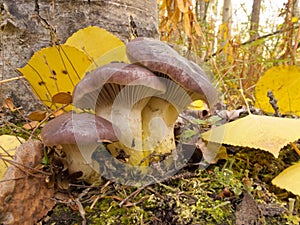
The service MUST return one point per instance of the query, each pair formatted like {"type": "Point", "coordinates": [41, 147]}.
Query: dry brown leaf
{"type": "Point", "coordinates": [31, 125]}
{"type": "Point", "coordinates": [262, 132]}
{"type": "Point", "coordinates": [38, 115]}
{"type": "Point", "coordinates": [25, 199]}
{"type": "Point", "coordinates": [62, 98]}
{"type": "Point", "coordinates": [9, 104]}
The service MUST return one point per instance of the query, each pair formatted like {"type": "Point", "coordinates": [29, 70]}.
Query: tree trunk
{"type": "Point", "coordinates": [296, 9]}
{"type": "Point", "coordinates": [253, 72]}
{"type": "Point", "coordinates": [255, 19]}
{"type": "Point", "coordinates": [201, 10]}
{"type": "Point", "coordinates": [26, 25]}
{"type": "Point", "coordinates": [227, 17]}
{"type": "Point", "coordinates": [225, 28]}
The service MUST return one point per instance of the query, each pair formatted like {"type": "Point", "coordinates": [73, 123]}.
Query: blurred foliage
{"type": "Point", "coordinates": [237, 62]}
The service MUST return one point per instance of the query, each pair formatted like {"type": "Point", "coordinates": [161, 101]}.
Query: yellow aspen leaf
{"type": "Point", "coordinates": [197, 105]}
{"type": "Point", "coordinates": [284, 82]}
{"type": "Point", "coordinates": [97, 42]}
{"type": "Point", "coordinates": [261, 132]}
{"type": "Point", "coordinates": [58, 69]}
{"type": "Point", "coordinates": [8, 145]}
{"type": "Point", "coordinates": [295, 19]}
{"type": "Point", "coordinates": [55, 69]}
{"type": "Point", "coordinates": [289, 179]}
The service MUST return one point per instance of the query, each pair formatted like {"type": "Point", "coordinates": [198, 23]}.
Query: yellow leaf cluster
{"type": "Point", "coordinates": [261, 132]}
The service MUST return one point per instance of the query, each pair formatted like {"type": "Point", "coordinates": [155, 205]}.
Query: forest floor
{"type": "Point", "coordinates": [237, 190]}
{"type": "Point", "coordinates": [234, 190]}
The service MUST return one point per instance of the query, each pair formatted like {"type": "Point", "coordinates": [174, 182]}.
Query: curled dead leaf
{"type": "Point", "coordinates": [9, 104]}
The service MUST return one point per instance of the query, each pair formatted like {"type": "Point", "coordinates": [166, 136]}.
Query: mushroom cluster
{"type": "Point", "coordinates": [135, 105]}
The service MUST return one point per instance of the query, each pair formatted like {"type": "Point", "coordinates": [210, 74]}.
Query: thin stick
{"type": "Point", "coordinates": [245, 100]}
{"type": "Point", "coordinates": [294, 146]}
{"type": "Point", "coordinates": [11, 79]}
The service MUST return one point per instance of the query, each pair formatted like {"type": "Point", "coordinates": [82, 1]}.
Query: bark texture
{"type": "Point", "coordinates": [26, 27]}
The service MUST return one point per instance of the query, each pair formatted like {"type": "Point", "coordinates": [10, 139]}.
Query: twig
{"type": "Point", "coordinates": [133, 194]}
{"type": "Point", "coordinates": [245, 100]}
{"type": "Point", "coordinates": [12, 179]}
{"type": "Point", "coordinates": [294, 146]}
{"type": "Point", "coordinates": [81, 211]}
{"type": "Point", "coordinates": [256, 39]}
{"type": "Point", "coordinates": [26, 168]}
{"type": "Point", "coordinates": [273, 103]}
{"type": "Point", "coordinates": [11, 79]}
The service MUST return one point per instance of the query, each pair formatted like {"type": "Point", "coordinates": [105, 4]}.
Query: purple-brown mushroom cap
{"type": "Point", "coordinates": [81, 128]}
{"type": "Point", "coordinates": [106, 78]}
{"type": "Point", "coordinates": [159, 57]}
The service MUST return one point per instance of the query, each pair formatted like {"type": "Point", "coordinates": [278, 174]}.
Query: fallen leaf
{"type": "Point", "coordinates": [31, 125]}
{"type": "Point", "coordinates": [8, 145]}
{"type": "Point", "coordinates": [25, 199]}
{"type": "Point", "coordinates": [97, 43]}
{"type": "Point", "coordinates": [9, 104]}
{"type": "Point", "coordinates": [62, 98]}
{"type": "Point", "coordinates": [55, 69]}
{"type": "Point", "coordinates": [198, 105]}
{"type": "Point", "coordinates": [262, 132]}
{"type": "Point", "coordinates": [38, 115]}
{"type": "Point", "coordinates": [247, 211]}
{"type": "Point", "coordinates": [289, 179]}
{"type": "Point", "coordinates": [284, 82]}
{"type": "Point", "coordinates": [59, 68]}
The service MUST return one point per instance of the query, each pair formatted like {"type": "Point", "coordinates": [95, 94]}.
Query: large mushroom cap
{"type": "Point", "coordinates": [72, 128]}
{"type": "Point", "coordinates": [159, 57]}
{"type": "Point", "coordinates": [88, 89]}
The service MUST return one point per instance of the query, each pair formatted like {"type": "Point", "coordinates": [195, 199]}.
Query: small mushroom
{"type": "Point", "coordinates": [118, 92]}
{"type": "Point", "coordinates": [185, 82]}
{"type": "Point", "coordinates": [79, 135]}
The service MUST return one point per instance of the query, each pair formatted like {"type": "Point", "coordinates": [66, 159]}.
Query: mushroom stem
{"type": "Point", "coordinates": [77, 162]}
{"type": "Point", "coordinates": [159, 118]}
{"type": "Point", "coordinates": [128, 120]}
